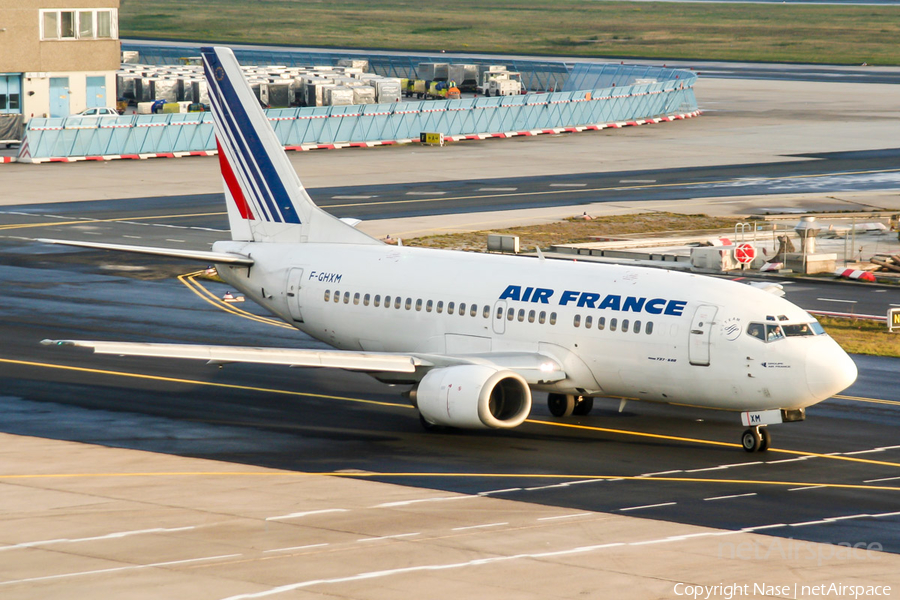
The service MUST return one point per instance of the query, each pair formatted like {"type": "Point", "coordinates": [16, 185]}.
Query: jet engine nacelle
{"type": "Point", "coordinates": [473, 397]}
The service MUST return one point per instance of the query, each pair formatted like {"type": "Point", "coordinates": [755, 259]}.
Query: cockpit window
{"type": "Point", "coordinates": [817, 329]}
{"type": "Point", "coordinates": [797, 330]}
{"type": "Point", "coordinates": [773, 332]}
{"type": "Point", "coordinates": [757, 330]}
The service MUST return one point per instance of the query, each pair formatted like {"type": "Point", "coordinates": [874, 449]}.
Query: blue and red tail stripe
{"type": "Point", "coordinates": [252, 164]}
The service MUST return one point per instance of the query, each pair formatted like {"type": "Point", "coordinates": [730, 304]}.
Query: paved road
{"type": "Point", "coordinates": [325, 421]}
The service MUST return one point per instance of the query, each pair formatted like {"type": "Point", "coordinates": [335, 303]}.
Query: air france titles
{"type": "Point", "coordinates": [653, 306]}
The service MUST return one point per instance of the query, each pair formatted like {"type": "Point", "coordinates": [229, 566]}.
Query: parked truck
{"type": "Point", "coordinates": [502, 83]}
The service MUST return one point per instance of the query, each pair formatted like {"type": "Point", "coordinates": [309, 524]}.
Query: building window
{"type": "Point", "coordinates": [81, 24]}
{"type": "Point", "coordinates": [10, 94]}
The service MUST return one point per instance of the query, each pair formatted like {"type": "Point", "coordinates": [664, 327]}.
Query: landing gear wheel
{"type": "Point", "coordinates": [751, 440]}
{"type": "Point", "coordinates": [583, 406]}
{"type": "Point", "coordinates": [765, 439]}
{"type": "Point", "coordinates": [561, 405]}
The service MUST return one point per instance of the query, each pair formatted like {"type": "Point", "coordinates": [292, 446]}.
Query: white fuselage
{"type": "Point", "coordinates": [666, 336]}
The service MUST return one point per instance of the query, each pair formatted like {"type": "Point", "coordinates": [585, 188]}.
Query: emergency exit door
{"type": "Point", "coordinates": [295, 279]}
{"type": "Point", "coordinates": [701, 331]}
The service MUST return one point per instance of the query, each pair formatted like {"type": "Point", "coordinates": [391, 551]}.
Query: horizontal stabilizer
{"type": "Point", "coordinates": [337, 359]}
{"type": "Point", "coordinates": [200, 255]}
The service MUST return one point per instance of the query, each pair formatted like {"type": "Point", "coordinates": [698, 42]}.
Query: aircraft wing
{"type": "Point", "coordinates": [533, 367]}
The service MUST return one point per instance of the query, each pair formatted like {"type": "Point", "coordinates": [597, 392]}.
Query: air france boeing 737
{"type": "Point", "coordinates": [476, 334]}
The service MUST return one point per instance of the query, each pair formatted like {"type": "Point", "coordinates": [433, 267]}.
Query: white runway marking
{"type": "Point", "coordinates": [564, 516]}
{"type": "Point", "coordinates": [732, 496]}
{"type": "Point", "coordinates": [661, 473]}
{"type": "Point", "coordinates": [388, 537]}
{"type": "Point", "coordinates": [435, 193]}
{"type": "Point", "coordinates": [637, 181]}
{"type": "Point", "coordinates": [408, 502]}
{"type": "Point", "coordinates": [118, 569]}
{"type": "Point", "coordinates": [351, 197]}
{"type": "Point", "coordinates": [478, 526]}
{"type": "Point", "coordinates": [882, 479]}
{"type": "Point", "coordinates": [504, 491]}
{"type": "Point", "coordinates": [836, 300]}
{"type": "Point", "coordinates": [297, 515]}
{"type": "Point", "coordinates": [648, 506]}
{"type": "Point", "coordinates": [172, 240]}
{"type": "Point", "coordinates": [133, 237]}
{"type": "Point", "coordinates": [497, 189]}
{"type": "Point", "coordinates": [294, 548]}
{"type": "Point", "coordinates": [568, 184]}
{"type": "Point", "coordinates": [108, 536]}
{"type": "Point", "coordinates": [809, 487]}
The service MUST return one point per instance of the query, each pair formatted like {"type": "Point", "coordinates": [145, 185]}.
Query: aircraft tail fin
{"type": "Point", "coordinates": [266, 200]}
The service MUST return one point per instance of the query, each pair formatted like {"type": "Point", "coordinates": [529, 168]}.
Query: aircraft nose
{"type": "Point", "coordinates": [829, 370]}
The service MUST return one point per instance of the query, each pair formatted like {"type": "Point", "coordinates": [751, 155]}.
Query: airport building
{"type": "Point", "coordinates": [57, 57]}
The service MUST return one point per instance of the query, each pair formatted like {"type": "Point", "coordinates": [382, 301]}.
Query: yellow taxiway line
{"type": "Point", "coordinates": [118, 219]}
{"type": "Point", "coordinates": [872, 400]}
{"type": "Point", "coordinates": [404, 474]}
{"type": "Point", "coordinates": [574, 426]}
{"type": "Point", "coordinates": [190, 282]}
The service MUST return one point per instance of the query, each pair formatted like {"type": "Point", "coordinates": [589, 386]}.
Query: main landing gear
{"type": "Point", "coordinates": [566, 405]}
{"type": "Point", "coordinates": [756, 439]}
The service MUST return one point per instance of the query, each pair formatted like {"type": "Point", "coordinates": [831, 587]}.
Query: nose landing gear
{"type": "Point", "coordinates": [756, 439]}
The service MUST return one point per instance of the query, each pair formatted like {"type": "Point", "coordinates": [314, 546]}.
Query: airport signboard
{"type": "Point", "coordinates": [893, 319]}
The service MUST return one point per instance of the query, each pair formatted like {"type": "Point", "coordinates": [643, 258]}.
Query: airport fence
{"type": "Point", "coordinates": [154, 135]}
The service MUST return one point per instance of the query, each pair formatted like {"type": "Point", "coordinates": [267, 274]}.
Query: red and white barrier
{"type": "Point", "coordinates": [855, 274]}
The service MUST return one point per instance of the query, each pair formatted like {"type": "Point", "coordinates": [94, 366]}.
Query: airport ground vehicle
{"type": "Point", "coordinates": [98, 111]}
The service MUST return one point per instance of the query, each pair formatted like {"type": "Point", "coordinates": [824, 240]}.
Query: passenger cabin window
{"type": "Point", "coordinates": [327, 295]}
{"type": "Point", "coordinates": [588, 321]}
{"type": "Point", "coordinates": [440, 306]}
{"type": "Point", "coordinates": [346, 297]}
{"type": "Point", "coordinates": [397, 301]}
{"type": "Point", "coordinates": [625, 325]}
{"type": "Point", "coordinates": [553, 318]}
{"type": "Point", "coordinates": [337, 296]}
{"type": "Point", "coordinates": [419, 304]}
{"type": "Point", "coordinates": [429, 305]}
{"type": "Point", "coordinates": [356, 298]}
{"type": "Point", "coordinates": [601, 323]}
{"type": "Point", "coordinates": [499, 312]}
{"type": "Point", "coordinates": [462, 308]}
{"type": "Point", "coordinates": [510, 314]}
{"type": "Point", "coordinates": [577, 322]}
{"type": "Point", "coordinates": [612, 324]}
{"type": "Point", "coordinates": [542, 318]}
{"type": "Point", "coordinates": [531, 316]}
{"type": "Point", "coordinates": [387, 301]}
{"type": "Point", "coordinates": [473, 310]}
{"type": "Point", "coordinates": [637, 326]}
{"type": "Point", "coordinates": [366, 299]}
{"type": "Point", "coordinates": [486, 313]}
{"type": "Point", "coordinates": [521, 315]}
{"type": "Point", "coordinates": [408, 303]}
{"type": "Point", "coordinates": [377, 300]}
{"type": "Point", "coordinates": [649, 328]}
